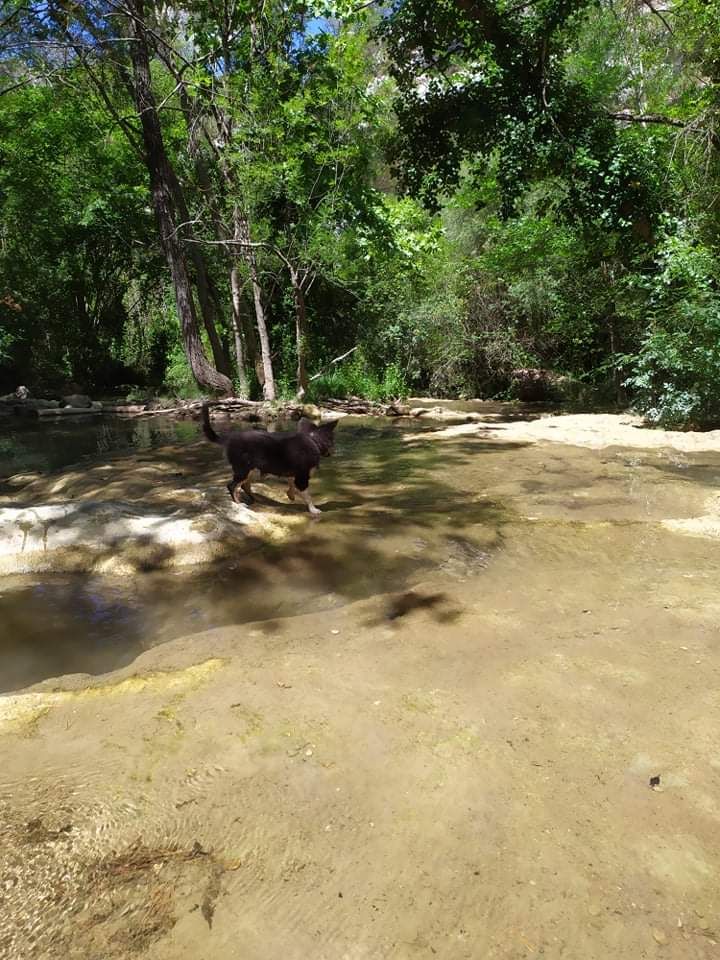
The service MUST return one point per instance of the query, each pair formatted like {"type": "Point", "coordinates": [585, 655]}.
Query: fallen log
{"type": "Point", "coordinates": [66, 412]}
{"type": "Point", "coordinates": [131, 408]}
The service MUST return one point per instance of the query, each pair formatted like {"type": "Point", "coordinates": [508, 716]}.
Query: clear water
{"type": "Point", "coordinates": [394, 512]}
{"type": "Point", "coordinates": [37, 446]}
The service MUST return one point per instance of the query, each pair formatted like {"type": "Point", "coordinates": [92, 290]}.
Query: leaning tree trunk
{"type": "Point", "coordinates": [242, 234]}
{"type": "Point", "coordinates": [161, 182]}
{"type": "Point", "coordinates": [301, 332]}
{"type": "Point", "coordinates": [209, 313]}
{"type": "Point", "coordinates": [208, 308]}
{"type": "Point", "coordinates": [237, 324]}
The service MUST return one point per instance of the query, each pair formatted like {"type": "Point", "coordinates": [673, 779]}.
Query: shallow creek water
{"type": "Point", "coordinates": [60, 624]}
{"type": "Point", "coordinates": [423, 726]}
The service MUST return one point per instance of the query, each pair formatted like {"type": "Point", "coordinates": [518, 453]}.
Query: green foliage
{"type": "Point", "coordinates": [355, 378]}
{"type": "Point", "coordinates": [179, 380]}
{"type": "Point", "coordinates": [461, 191]}
{"type": "Point", "coordinates": [71, 201]}
{"type": "Point", "coordinates": [676, 372]}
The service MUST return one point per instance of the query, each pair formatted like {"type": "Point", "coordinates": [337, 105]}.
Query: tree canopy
{"type": "Point", "coordinates": [225, 197]}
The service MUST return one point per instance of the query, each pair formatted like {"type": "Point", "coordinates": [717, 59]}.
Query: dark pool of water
{"type": "Point", "coordinates": [38, 446]}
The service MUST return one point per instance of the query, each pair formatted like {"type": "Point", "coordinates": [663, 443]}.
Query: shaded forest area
{"type": "Point", "coordinates": [225, 196]}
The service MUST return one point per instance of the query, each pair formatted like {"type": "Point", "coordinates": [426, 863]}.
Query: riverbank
{"type": "Point", "coordinates": [470, 713]}
{"type": "Point", "coordinates": [168, 506]}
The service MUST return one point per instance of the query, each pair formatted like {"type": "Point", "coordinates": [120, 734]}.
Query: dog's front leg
{"type": "Point", "coordinates": [301, 486]}
{"type": "Point", "coordinates": [314, 511]}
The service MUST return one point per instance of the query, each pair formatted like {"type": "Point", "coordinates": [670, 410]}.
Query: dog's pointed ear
{"type": "Point", "coordinates": [305, 425]}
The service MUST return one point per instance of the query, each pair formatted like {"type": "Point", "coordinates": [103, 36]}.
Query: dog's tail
{"type": "Point", "coordinates": [207, 426]}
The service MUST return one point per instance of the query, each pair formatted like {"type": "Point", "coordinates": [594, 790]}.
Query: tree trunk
{"type": "Point", "coordinates": [242, 233]}
{"type": "Point", "coordinates": [208, 311]}
{"type": "Point", "coordinates": [620, 395]}
{"type": "Point", "coordinates": [161, 182]}
{"type": "Point", "coordinates": [208, 306]}
{"type": "Point", "coordinates": [237, 323]}
{"type": "Point", "coordinates": [300, 333]}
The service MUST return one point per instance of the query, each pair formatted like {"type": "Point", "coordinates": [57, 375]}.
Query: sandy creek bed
{"type": "Point", "coordinates": [422, 727]}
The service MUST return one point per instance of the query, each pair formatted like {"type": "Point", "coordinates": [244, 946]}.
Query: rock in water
{"type": "Point", "coordinates": [77, 400]}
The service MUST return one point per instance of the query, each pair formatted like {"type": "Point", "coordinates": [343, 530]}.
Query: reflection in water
{"type": "Point", "coordinates": [66, 625]}
{"type": "Point", "coordinates": [39, 446]}
{"type": "Point", "coordinates": [80, 624]}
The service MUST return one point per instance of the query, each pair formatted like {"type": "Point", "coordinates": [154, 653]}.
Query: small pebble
{"type": "Point", "coordinates": [704, 925]}
{"type": "Point", "coordinates": [308, 753]}
{"type": "Point", "coordinates": [594, 910]}
{"type": "Point", "coordinates": [659, 936]}
{"type": "Point", "coordinates": [336, 632]}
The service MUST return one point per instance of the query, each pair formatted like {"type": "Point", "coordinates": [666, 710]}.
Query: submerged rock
{"type": "Point", "coordinates": [120, 537]}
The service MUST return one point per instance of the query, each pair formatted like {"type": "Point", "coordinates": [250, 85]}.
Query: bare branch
{"type": "Point", "coordinates": [316, 376]}
{"type": "Point", "coordinates": [627, 117]}
{"type": "Point", "coordinates": [130, 134]}
{"type": "Point", "coordinates": [245, 244]}
{"type": "Point", "coordinates": [658, 14]}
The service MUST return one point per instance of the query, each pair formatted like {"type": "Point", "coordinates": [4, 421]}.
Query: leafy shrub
{"type": "Point", "coordinates": [355, 379]}
{"type": "Point", "coordinates": [179, 381]}
{"type": "Point", "coordinates": [675, 376]}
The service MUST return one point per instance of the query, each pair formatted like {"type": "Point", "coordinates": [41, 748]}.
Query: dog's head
{"type": "Point", "coordinates": [323, 436]}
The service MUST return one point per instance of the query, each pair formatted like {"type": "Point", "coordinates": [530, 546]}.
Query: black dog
{"type": "Point", "coordinates": [254, 453]}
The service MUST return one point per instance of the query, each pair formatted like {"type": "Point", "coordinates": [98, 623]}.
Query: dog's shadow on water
{"type": "Point", "coordinates": [399, 606]}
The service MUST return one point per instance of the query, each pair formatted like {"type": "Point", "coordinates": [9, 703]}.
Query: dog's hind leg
{"type": "Point", "coordinates": [246, 484]}
{"type": "Point", "coordinates": [232, 487]}
{"type": "Point", "coordinates": [247, 490]}
{"type": "Point", "coordinates": [301, 482]}
{"type": "Point", "coordinates": [291, 490]}
{"type": "Point", "coordinates": [242, 481]}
